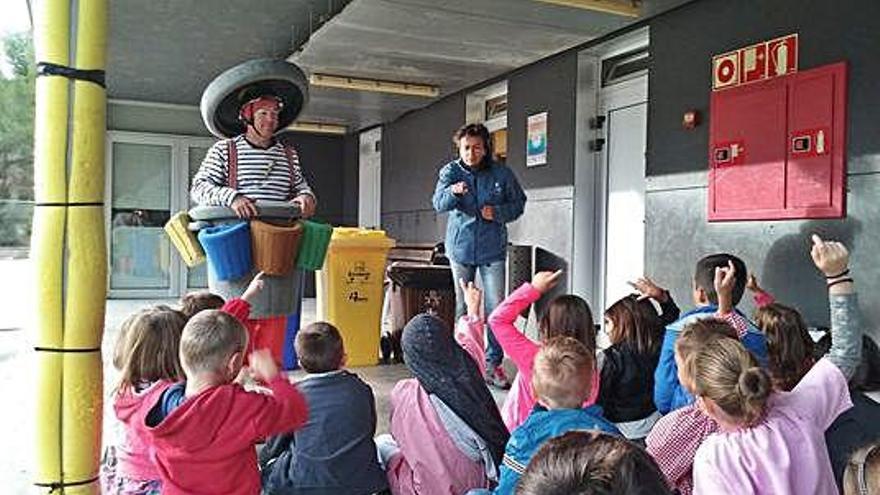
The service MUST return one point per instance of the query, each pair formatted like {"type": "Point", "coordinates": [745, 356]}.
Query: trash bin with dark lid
{"type": "Point", "coordinates": [420, 288]}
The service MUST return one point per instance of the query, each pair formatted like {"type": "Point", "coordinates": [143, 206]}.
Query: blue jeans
{"type": "Point", "coordinates": [492, 283]}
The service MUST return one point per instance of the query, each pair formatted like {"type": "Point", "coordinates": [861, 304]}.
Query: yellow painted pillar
{"type": "Point", "coordinates": [68, 244]}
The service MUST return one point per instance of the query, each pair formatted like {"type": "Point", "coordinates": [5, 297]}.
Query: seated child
{"type": "Point", "coordinates": [668, 391]}
{"type": "Point", "coordinates": [635, 331]}
{"type": "Point", "coordinates": [675, 438]}
{"type": "Point", "coordinates": [566, 316]}
{"type": "Point", "coordinates": [862, 476]}
{"type": "Point", "coordinates": [591, 463]}
{"type": "Point", "coordinates": [561, 379]}
{"type": "Point", "coordinates": [773, 442]}
{"type": "Point", "coordinates": [195, 302]}
{"type": "Point", "coordinates": [146, 358]}
{"type": "Point", "coordinates": [204, 429]}
{"type": "Point", "coordinates": [334, 451]}
{"type": "Point", "coordinates": [447, 436]}
{"type": "Point", "coordinates": [791, 351]}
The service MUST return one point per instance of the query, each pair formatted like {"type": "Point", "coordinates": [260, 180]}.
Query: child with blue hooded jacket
{"type": "Point", "coordinates": [669, 394]}
{"type": "Point", "coordinates": [561, 379]}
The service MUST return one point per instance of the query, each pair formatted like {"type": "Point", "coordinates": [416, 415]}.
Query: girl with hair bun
{"type": "Point", "coordinates": [770, 441]}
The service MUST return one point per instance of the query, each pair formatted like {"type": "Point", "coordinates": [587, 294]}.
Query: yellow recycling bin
{"type": "Point", "coordinates": [349, 290]}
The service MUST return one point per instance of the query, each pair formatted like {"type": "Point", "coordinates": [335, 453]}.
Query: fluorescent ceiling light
{"type": "Point", "coordinates": [361, 84]}
{"type": "Point", "coordinates": [626, 8]}
{"type": "Point", "coordinates": [317, 128]}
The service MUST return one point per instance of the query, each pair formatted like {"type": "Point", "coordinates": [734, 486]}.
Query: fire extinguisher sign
{"type": "Point", "coordinates": [767, 59]}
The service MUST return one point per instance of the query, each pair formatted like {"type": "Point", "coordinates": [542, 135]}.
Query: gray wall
{"type": "Point", "coordinates": [682, 44]}
{"type": "Point", "coordinates": [548, 86]}
{"type": "Point", "coordinates": [414, 147]}
{"type": "Point", "coordinates": [418, 144]}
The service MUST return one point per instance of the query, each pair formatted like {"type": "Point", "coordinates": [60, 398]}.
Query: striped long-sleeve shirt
{"type": "Point", "coordinates": [263, 174]}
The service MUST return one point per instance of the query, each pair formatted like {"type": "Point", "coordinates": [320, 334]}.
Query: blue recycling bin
{"type": "Point", "coordinates": [228, 248]}
{"type": "Point", "coordinates": [289, 361]}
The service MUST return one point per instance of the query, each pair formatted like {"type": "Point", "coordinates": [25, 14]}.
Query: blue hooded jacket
{"type": "Point", "coordinates": [470, 239]}
{"type": "Point", "coordinates": [669, 394]}
{"type": "Point", "coordinates": [542, 425]}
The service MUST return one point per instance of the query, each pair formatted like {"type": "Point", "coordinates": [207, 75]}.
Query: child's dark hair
{"type": "Point", "coordinates": [636, 324]}
{"type": "Point", "coordinates": [591, 463]}
{"type": "Point", "coordinates": [147, 347]}
{"type": "Point", "coordinates": [319, 348]}
{"type": "Point", "coordinates": [789, 346]}
{"type": "Point", "coordinates": [194, 302]}
{"type": "Point", "coordinates": [704, 275]}
{"type": "Point", "coordinates": [568, 316]}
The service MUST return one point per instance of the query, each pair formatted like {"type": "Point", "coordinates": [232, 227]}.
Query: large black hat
{"type": "Point", "coordinates": [226, 94]}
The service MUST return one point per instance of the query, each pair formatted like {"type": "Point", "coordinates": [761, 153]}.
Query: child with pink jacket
{"type": "Point", "coordinates": [565, 316]}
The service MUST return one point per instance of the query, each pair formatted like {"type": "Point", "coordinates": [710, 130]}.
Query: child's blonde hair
{"type": "Point", "coordinates": [862, 474]}
{"type": "Point", "coordinates": [209, 339]}
{"type": "Point", "coordinates": [695, 336]}
{"type": "Point", "coordinates": [147, 347]}
{"type": "Point", "coordinates": [562, 373]}
{"type": "Point", "coordinates": [196, 302]}
{"type": "Point", "coordinates": [728, 374]}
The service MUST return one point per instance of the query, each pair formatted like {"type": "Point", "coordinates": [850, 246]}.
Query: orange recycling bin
{"type": "Point", "coordinates": [275, 247]}
{"type": "Point", "coordinates": [350, 290]}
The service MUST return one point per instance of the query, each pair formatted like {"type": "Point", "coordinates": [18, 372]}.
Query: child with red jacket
{"type": "Point", "coordinates": [204, 429]}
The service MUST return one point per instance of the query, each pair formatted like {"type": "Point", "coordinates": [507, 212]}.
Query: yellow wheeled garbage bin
{"type": "Point", "coordinates": [350, 292]}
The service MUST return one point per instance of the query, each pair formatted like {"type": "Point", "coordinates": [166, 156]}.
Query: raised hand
{"type": "Point", "coordinates": [752, 284]}
{"type": "Point", "coordinates": [725, 280]}
{"type": "Point", "coordinates": [544, 281]}
{"type": "Point", "coordinates": [473, 298]}
{"type": "Point", "coordinates": [647, 288]}
{"type": "Point", "coordinates": [830, 257]}
{"type": "Point", "coordinates": [254, 288]}
{"type": "Point", "coordinates": [262, 365]}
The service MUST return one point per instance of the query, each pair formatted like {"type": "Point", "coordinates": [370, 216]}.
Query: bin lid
{"type": "Point", "coordinates": [353, 237]}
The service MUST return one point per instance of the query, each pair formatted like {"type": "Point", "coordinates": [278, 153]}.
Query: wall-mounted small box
{"type": "Point", "coordinates": [777, 148]}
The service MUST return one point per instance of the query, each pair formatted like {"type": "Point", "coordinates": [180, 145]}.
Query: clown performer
{"type": "Point", "coordinates": [254, 174]}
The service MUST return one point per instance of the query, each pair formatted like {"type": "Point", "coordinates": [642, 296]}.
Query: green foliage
{"type": "Point", "coordinates": [17, 141]}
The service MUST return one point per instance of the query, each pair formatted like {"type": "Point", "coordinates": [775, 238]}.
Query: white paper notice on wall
{"type": "Point", "coordinates": [536, 140]}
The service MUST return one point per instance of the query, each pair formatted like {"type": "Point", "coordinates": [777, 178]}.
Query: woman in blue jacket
{"type": "Point", "coordinates": [481, 196]}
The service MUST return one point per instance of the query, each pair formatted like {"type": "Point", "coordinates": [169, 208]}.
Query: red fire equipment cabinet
{"type": "Point", "coordinates": [777, 147]}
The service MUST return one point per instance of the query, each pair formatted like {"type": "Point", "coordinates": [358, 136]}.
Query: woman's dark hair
{"type": "Point", "coordinates": [636, 324]}
{"type": "Point", "coordinates": [591, 463]}
{"type": "Point", "coordinates": [473, 130]}
{"type": "Point", "coordinates": [789, 346]}
{"type": "Point", "coordinates": [568, 316]}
